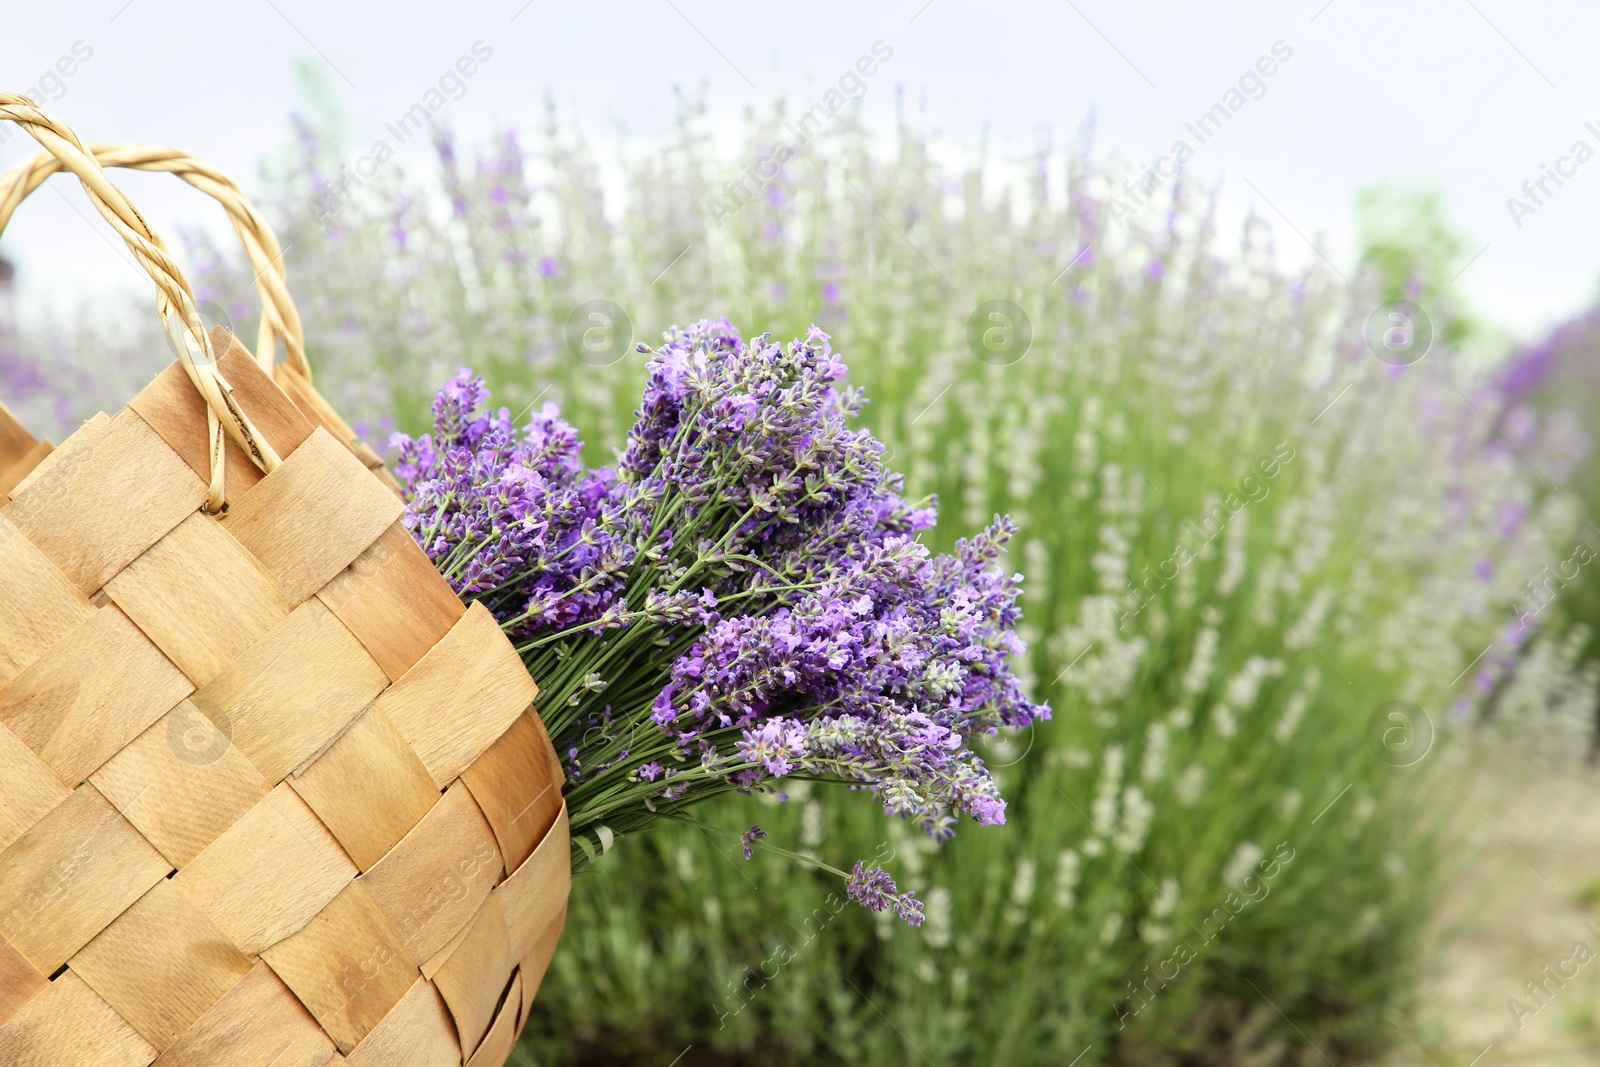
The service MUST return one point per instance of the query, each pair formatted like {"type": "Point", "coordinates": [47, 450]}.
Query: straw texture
{"type": "Point", "coordinates": [267, 787]}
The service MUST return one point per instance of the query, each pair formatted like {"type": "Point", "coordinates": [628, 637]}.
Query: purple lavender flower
{"type": "Point", "coordinates": [751, 836]}
{"type": "Point", "coordinates": [746, 586]}
{"type": "Point", "coordinates": [873, 888]}
{"type": "Point", "coordinates": [509, 517]}
{"type": "Point", "coordinates": [773, 744]}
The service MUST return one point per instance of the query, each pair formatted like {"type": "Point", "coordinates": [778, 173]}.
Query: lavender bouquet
{"type": "Point", "coordinates": [741, 599]}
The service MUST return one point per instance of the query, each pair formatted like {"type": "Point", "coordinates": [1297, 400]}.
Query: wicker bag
{"type": "Point", "coordinates": [270, 794]}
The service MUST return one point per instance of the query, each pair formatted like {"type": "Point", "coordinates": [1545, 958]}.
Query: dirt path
{"type": "Point", "coordinates": [1526, 897]}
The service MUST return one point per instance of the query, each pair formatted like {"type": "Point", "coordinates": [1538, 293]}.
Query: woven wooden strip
{"type": "Point", "coordinates": [502, 1035]}
{"type": "Point", "coordinates": [181, 783]}
{"type": "Point", "coordinates": [94, 512]}
{"type": "Point", "coordinates": [461, 697]}
{"type": "Point", "coordinates": [68, 1025]}
{"type": "Point", "coordinates": [97, 689]}
{"type": "Point", "coordinates": [418, 1032]}
{"type": "Point", "coordinates": [537, 891]}
{"type": "Point", "coordinates": [537, 962]}
{"type": "Point", "coordinates": [293, 691]}
{"type": "Point", "coordinates": [20, 981]}
{"type": "Point", "coordinates": [313, 516]}
{"type": "Point", "coordinates": [29, 789]}
{"type": "Point", "coordinates": [394, 601]}
{"type": "Point", "coordinates": [175, 411]}
{"type": "Point", "coordinates": [71, 450]}
{"type": "Point", "coordinates": [257, 1022]}
{"type": "Point", "coordinates": [348, 966]}
{"type": "Point", "coordinates": [269, 874]}
{"type": "Point", "coordinates": [296, 382]}
{"type": "Point", "coordinates": [15, 440]}
{"type": "Point", "coordinates": [70, 876]}
{"type": "Point", "coordinates": [470, 979]}
{"type": "Point", "coordinates": [432, 883]}
{"type": "Point", "coordinates": [38, 605]}
{"type": "Point", "coordinates": [432, 967]}
{"type": "Point", "coordinates": [162, 964]}
{"type": "Point", "coordinates": [369, 788]}
{"type": "Point", "coordinates": [200, 596]}
{"type": "Point", "coordinates": [12, 474]}
{"type": "Point", "coordinates": [521, 806]}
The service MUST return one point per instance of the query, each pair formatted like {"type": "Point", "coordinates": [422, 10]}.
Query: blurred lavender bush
{"type": "Point", "coordinates": [1245, 537]}
{"type": "Point", "coordinates": [1548, 392]}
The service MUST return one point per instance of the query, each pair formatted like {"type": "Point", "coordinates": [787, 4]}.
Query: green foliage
{"type": "Point", "coordinates": [1413, 252]}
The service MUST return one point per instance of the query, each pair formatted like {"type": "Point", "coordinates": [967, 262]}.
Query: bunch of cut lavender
{"type": "Point", "coordinates": [742, 599]}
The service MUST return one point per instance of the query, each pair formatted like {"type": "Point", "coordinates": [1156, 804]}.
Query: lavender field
{"type": "Point", "coordinates": [1285, 590]}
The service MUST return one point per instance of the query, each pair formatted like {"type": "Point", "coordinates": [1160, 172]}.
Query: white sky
{"type": "Point", "coordinates": [1471, 95]}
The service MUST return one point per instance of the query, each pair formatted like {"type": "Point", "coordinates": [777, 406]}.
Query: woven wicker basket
{"type": "Point", "coordinates": [270, 794]}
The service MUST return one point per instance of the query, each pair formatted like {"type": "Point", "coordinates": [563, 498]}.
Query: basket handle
{"type": "Point", "coordinates": [279, 318]}
{"type": "Point", "coordinates": [175, 303]}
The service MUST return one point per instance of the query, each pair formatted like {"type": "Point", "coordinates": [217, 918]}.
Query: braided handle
{"type": "Point", "coordinates": [279, 318]}
{"type": "Point", "coordinates": [175, 303]}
